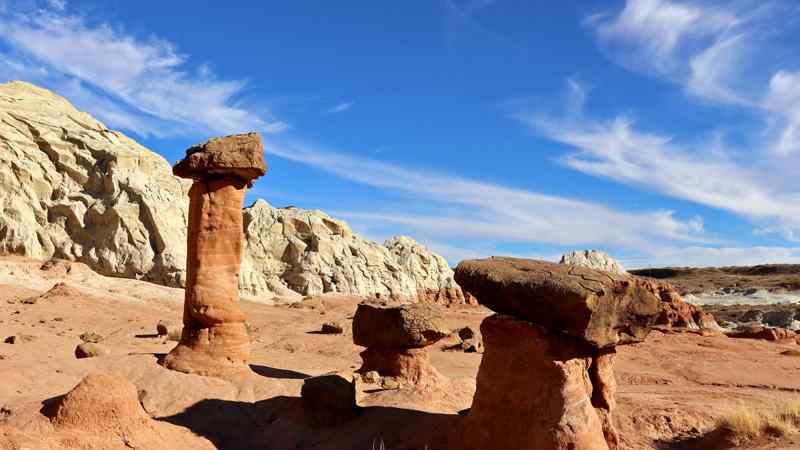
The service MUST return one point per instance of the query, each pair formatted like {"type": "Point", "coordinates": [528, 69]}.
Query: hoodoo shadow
{"type": "Point", "coordinates": [282, 423]}
{"type": "Point", "coordinates": [274, 372]}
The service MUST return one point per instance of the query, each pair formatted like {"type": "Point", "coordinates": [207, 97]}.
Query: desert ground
{"type": "Point", "coordinates": [671, 388]}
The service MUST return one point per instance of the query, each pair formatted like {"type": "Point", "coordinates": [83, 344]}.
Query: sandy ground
{"type": "Point", "coordinates": [672, 387]}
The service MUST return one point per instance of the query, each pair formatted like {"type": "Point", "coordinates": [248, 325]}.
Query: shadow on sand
{"type": "Point", "coordinates": [272, 372]}
{"type": "Point", "coordinates": [284, 423]}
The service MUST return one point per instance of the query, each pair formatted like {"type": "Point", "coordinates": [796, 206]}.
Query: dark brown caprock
{"type": "Point", "coordinates": [214, 341]}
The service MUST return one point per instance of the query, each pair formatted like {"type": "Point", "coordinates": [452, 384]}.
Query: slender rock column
{"type": "Point", "coordinates": [214, 340]}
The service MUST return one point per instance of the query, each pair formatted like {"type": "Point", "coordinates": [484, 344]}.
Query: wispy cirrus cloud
{"type": "Point", "coordinates": [144, 85]}
{"type": "Point", "coordinates": [729, 53]}
{"type": "Point", "coordinates": [340, 108]}
{"type": "Point", "coordinates": [472, 209]}
{"type": "Point", "coordinates": [705, 170]}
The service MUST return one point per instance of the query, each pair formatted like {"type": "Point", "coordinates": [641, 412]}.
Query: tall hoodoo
{"type": "Point", "coordinates": [214, 340]}
{"type": "Point", "coordinates": [546, 380]}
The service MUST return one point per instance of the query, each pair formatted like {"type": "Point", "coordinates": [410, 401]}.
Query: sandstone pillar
{"type": "Point", "coordinates": [546, 380]}
{"type": "Point", "coordinates": [214, 340]}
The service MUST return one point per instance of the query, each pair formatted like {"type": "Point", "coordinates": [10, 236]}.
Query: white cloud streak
{"type": "Point", "coordinates": [340, 108]}
{"type": "Point", "coordinates": [152, 85]}
{"type": "Point", "coordinates": [477, 210]}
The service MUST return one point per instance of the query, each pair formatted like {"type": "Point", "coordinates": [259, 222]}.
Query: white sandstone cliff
{"type": "Point", "coordinates": [70, 188]}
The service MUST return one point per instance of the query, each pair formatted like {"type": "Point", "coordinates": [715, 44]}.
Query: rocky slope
{"type": "Point", "coordinates": [70, 188]}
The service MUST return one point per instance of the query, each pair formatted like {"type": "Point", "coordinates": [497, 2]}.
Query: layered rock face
{"type": "Point", "coordinates": [309, 252]}
{"type": "Point", "coordinates": [546, 380]}
{"type": "Point", "coordinates": [70, 188]}
{"type": "Point", "coordinates": [214, 340]}
{"type": "Point", "coordinates": [593, 259]}
{"type": "Point", "coordinates": [396, 336]}
{"type": "Point", "coordinates": [675, 312]}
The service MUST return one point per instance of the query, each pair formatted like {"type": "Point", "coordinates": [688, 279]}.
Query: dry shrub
{"type": "Point", "coordinates": [743, 423]}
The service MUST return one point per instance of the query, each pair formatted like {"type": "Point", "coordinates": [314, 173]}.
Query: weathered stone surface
{"type": "Point", "coordinates": [535, 392]}
{"type": "Point", "coordinates": [101, 403]}
{"type": "Point", "coordinates": [90, 350]}
{"type": "Point", "coordinates": [677, 313]}
{"type": "Point", "coordinates": [390, 325]}
{"type": "Point", "coordinates": [602, 308]}
{"type": "Point", "coordinates": [70, 188]}
{"type": "Point", "coordinates": [240, 156]}
{"type": "Point", "coordinates": [333, 391]}
{"type": "Point", "coordinates": [593, 259]}
{"type": "Point", "coordinates": [332, 328]}
{"type": "Point", "coordinates": [214, 340]}
{"type": "Point", "coordinates": [761, 332]}
{"type": "Point", "coordinates": [291, 250]}
{"type": "Point", "coordinates": [408, 365]}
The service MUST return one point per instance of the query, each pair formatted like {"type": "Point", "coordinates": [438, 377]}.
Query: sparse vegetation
{"type": "Point", "coordinates": [744, 424]}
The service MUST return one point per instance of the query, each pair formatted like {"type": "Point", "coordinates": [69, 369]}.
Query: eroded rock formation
{"type": "Point", "coordinates": [396, 336]}
{"type": "Point", "coordinates": [593, 259]}
{"type": "Point", "coordinates": [546, 380]}
{"type": "Point", "coordinates": [214, 340]}
{"type": "Point", "coordinates": [73, 189]}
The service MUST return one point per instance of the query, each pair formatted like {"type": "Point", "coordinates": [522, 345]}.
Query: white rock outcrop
{"type": "Point", "coordinates": [308, 252]}
{"type": "Point", "coordinates": [593, 259]}
{"type": "Point", "coordinates": [72, 189]}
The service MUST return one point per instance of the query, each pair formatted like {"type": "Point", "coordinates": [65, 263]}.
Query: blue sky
{"type": "Point", "coordinates": [664, 132]}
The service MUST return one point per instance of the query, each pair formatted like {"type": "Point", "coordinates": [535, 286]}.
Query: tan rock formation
{"type": "Point", "coordinates": [546, 380]}
{"type": "Point", "coordinates": [533, 392]}
{"type": "Point", "coordinates": [603, 308]}
{"type": "Point", "coordinates": [214, 340]}
{"type": "Point", "coordinates": [677, 313]}
{"type": "Point", "coordinates": [396, 336]}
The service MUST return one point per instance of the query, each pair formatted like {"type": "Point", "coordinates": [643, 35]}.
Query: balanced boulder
{"type": "Point", "coordinates": [396, 336]}
{"type": "Point", "coordinates": [602, 308]}
{"type": "Point", "coordinates": [546, 380]}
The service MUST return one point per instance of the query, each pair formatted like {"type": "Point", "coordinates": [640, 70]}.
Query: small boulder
{"type": "Point", "coordinates": [91, 336]}
{"type": "Point", "coordinates": [371, 377]}
{"type": "Point", "coordinates": [391, 325]}
{"type": "Point", "coordinates": [760, 332]}
{"type": "Point", "coordinates": [333, 391]}
{"type": "Point", "coordinates": [91, 350]}
{"type": "Point", "coordinates": [19, 339]}
{"type": "Point", "coordinates": [332, 328]}
{"type": "Point", "coordinates": [467, 333]}
{"type": "Point", "coordinates": [170, 330]}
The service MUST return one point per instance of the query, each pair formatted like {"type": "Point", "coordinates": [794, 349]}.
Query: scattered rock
{"type": "Point", "coordinates": [91, 336]}
{"type": "Point", "coordinates": [170, 330]}
{"type": "Point", "coordinates": [677, 313]}
{"type": "Point", "coordinates": [761, 332]}
{"type": "Point", "coordinates": [791, 353]}
{"type": "Point", "coordinates": [91, 350]}
{"type": "Point", "coordinates": [472, 346]}
{"type": "Point", "coordinates": [603, 308]}
{"type": "Point", "coordinates": [332, 328]}
{"type": "Point", "coordinates": [467, 333]}
{"type": "Point", "coordinates": [19, 339]}
{"type": "Point", "coordinates": [371, 377]}
{"type": "Point", "coordinates": [333, 391]}
{"type": "Point", "coordinates": [780, 319]}
{"type": "Point", "coordinates": [312, 303]}
{"type": "Point", "coordinates": [29, 301]}
{"type": "Point", "coordinates": [593, 259]}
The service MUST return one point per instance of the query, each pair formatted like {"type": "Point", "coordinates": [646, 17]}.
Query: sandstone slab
{"type": "Point", "coordinates": [602, 308]}
{"type": "Point", "coordinates": [388, 325]}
